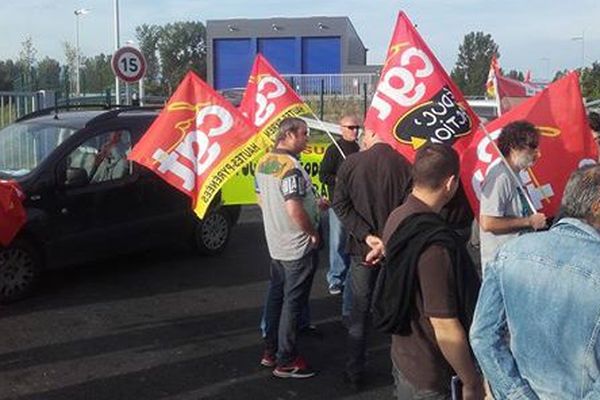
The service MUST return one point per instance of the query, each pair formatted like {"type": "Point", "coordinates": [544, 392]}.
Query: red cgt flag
{"type": "Point", "coordinates": [416, 101]}
{"type": "Point", "coordinates": [268, 98]}
{"type": "Point", "coordinates": [197, 142]}
{"type": "Point", "coordinates": [12, 213]}
{"type": "Point", "coordinates": [565, 144]}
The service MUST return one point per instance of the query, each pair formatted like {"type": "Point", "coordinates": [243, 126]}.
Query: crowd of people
{"type": "Point", "coordinates": [525, 325]}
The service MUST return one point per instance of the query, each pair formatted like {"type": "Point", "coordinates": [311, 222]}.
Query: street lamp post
{"type": "Point", "coordinates": [81, 11]}
{"type": "Point", "coordinates": [116, 23]}
{"type": "Point", "coordinates": [582, 38]}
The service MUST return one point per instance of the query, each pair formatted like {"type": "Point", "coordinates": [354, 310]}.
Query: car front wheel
{"type": "Point", "coordinates": [212, 233]}
{"type": "Point", "coordinates": [19, 271]}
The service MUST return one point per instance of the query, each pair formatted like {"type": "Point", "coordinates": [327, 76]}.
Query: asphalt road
{"type": "Point", "coordinates": [169, 324]}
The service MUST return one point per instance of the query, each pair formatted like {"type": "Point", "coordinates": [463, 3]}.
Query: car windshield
{"type": "Point", "coordinates": [23, 146]}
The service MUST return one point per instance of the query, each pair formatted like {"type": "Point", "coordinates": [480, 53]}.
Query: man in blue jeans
{"type": "Point", "coordinates": [339, 259]}
{"type": "Point", "coordinates": [290, 214]}
{"type": "Point", "coordinates": [535, 329]}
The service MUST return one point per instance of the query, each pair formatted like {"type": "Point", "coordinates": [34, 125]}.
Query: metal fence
{"type": "Point", "coordinates": [14, 105]}
{"type": "Point", "coordinates": [344, 85]}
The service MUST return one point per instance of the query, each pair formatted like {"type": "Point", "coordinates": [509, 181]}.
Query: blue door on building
{"type": "Point", "coordinates": [321, 55]}
{"type": "Point", "coordinates": [233, 60]}
{"type": "Point", "coordinates": [281, 53]}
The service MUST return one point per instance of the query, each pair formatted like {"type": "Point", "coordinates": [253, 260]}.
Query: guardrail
{"type": "Point", "coordinates": [333, 84]}
{"type": "Point", "coordinates": [14, 105]}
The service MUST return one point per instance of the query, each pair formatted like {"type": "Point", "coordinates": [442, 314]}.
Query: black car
{"type": "Point", "coordinates": [85, 200]}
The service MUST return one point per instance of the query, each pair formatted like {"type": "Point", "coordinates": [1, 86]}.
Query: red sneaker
{"type": "Point", "coordinates": [268, 359]}
{"type": "Point", "coordinates": [296, 369]}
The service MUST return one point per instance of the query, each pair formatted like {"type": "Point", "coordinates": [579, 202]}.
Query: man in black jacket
{"type": "Point", "coordinates": [369, 185]}
{"type": "Point", "coordinates": [339, 259]}
{"type": "Point", "coordinates": [427, 294]}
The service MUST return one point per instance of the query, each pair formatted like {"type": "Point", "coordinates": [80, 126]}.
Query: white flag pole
{"type": "Point", "coordinates": [328, 133]}
{"type": "Point", "coordinates": [497, 94]}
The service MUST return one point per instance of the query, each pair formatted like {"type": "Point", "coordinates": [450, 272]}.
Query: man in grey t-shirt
{"type": "Point", "coordinates": [290, 216]}
{"type": "Point", "coordinates": [504, 211]}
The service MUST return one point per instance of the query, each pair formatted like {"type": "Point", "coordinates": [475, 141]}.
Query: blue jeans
{"type": "Point", "coordinates": [363, 283]}
{"type": "Point", "coordinates": [303, 322]}
{"type": "Point", "coordinates": [339, 260]}
{"type": "Point", "coordinates": [290, 286]}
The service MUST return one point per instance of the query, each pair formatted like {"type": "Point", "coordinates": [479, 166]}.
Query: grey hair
{"type": "Point", "coordinates": [290, 124]}
{"type": "Point", "coordinates": [582, 193]}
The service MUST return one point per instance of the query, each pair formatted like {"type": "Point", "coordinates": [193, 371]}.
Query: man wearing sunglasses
{"type": "Point", "coordinates": [339, 260]}
{"type": "Point", "coordinates": [504, 211]}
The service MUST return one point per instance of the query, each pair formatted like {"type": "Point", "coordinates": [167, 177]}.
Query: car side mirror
{"type": "Point", "coordinates": [76, 177]}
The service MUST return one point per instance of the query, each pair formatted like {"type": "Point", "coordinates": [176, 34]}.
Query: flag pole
{"type": "Point", "coordinates": [328, 133]}
{"type": "Point", "coordinates": [497, 95]}
{"type": "Point", "coordinates": [510, 170]}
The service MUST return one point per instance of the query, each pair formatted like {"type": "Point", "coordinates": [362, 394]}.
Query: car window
{"type": "Point", "coordinates": [24, 145]}
{"type": "Point", "coordinates": [103, 157]}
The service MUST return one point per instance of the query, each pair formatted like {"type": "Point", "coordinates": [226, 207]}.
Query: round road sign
{"type": "Point", "coordinates": [128, 64]}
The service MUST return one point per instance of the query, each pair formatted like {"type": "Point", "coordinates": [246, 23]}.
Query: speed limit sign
{"type": "Point", "coordinates": [128, 64]}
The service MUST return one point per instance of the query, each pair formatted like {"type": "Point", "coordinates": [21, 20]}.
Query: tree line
{"type": "Point", "coordinates": [473, 64]}
{"type": "Point", "coordinates": [170, 51]}
{"type": "Point", "coordinates": [173, 49]}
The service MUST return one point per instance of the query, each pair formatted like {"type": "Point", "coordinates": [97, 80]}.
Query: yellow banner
{"type": "Point", "coordinates": [239, 189]}
{"type": "Point", "coordinates": [227, 168]}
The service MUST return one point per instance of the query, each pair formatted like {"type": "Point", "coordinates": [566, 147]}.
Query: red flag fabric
{"type": "Point", "coordinates": [565, 144]}
{"type": "Point", "coordinates": [269, 98]}
{"type": "Point", "coordinates": [508, 87]}
{"type": "Point", "coordinates": [197, 142]}
{"type": "Point", "coordinates": [416, 101]}
{"type": "Point", "coordinates": [509, 92]}
{"type": "Point", "coordinates": [12, 213]}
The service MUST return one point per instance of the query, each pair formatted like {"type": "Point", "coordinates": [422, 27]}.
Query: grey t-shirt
{"type": "Point", "coordinates": [280, 177]}
{"type": "Point", "coordinates": [500, 197]}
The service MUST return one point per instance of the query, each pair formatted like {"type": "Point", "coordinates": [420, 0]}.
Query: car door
{"type": "Point", "coordinates": [168, 211]}
{"type": "Point", "coordinates": [98, 208]}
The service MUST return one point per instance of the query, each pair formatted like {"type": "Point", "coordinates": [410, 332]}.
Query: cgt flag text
{"type": "Point", "coordinates": [197, 142]}
{"type": "Point", "coordinates": [565, 143]}
{"type": "Point", "coordinates": [268, 98]}
{"type": "Point", "coordinates": [416, 101]}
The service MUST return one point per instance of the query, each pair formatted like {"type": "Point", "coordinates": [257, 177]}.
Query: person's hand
{"type": "Point", "coordinates": [537, 221]}
{"type": "Point", "coordinates": [373, 258]}
{"type": "Point", "coordinates": [314, 240]}
{"type": "Point", "coordinates": [374, 242]}
{"type": "Point", "coordinates": [323, 203]}
{"type": "Point", "coordinates": [375, 255]}
{"type": "Point", "coordinates": [474, 390]}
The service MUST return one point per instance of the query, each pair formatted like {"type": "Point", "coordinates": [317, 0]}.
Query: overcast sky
{"type": "Point", "coordinates": [534, 34]}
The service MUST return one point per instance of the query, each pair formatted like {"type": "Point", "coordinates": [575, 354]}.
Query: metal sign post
{"type": "Point", "coordinates": [128, 65]}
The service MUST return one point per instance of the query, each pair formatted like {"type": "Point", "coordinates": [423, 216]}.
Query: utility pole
{"type": "Point", "coordinates": [81, 11]}
{"type": "Point", "coordinates": [116, 23]}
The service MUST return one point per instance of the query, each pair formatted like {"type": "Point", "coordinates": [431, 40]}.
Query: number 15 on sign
{"type": "Point", "coordinates": [128, 64]}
